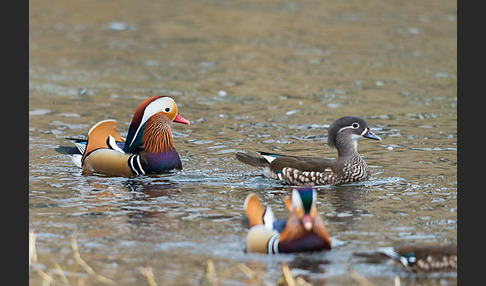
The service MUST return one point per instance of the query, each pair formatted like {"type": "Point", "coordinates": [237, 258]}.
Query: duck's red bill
{"type": "Point", "coordinates": [181, 119]}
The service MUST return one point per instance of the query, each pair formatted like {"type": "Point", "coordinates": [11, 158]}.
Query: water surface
{"type": "Point", "coordinates": [250, 76]}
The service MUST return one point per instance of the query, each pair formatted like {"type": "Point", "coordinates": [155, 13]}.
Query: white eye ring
{"type": "Point", "coordinates": [355, 125]}
{"type": "Point", "coordinates": [167, 109]}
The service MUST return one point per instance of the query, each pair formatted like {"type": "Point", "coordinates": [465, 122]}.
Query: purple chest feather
{"type": "Point", "coordinates": [160, 162]}
{"type": "Point", "coordinates": [309, 242]}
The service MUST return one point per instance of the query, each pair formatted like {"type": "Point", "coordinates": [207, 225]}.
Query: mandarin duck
{"type": "Point", "coordinates": [302, 231]}
{"type": "Point", "coordinates": [343, 134]}
{"type": "Point", "coordinates": [147, 149]}
{"type": "Point", "coordinates": [424, 258]}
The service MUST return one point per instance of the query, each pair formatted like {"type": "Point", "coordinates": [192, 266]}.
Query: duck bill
{"type": "Point", "coordinates": [307, 222]}
{"type": "Point", "coordinates": [370, 135]}
{"type": "Point", "coordinates": [181, 119]}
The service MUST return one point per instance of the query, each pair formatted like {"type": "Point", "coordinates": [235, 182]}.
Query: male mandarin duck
{"type": "Point", "coordinates": [148, 148]}
{"type": "Point", "coordinates": [302, 231]}
{"type": "Point", "coordinates": [424, 258]}
{"type": "Point", "coordinates": [343, 134]}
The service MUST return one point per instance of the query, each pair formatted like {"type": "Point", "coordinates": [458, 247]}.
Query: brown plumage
{"type": "Point", "coordinates": [343, 134]}
{"type": "Point", "coordinates": [295, 228]}
{"type": "Point", "coordinates": [148, 149]}
{"type": "Point", "coordinates": [157, 136]}
{"type": "Point", "coordinates": [303, 230]}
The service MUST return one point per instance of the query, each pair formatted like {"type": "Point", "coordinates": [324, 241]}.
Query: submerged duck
{"type": "Point", "coordinates": [148, 148]}
{"type": "Point", "coordinates": [343, 134]}
{"type": "Point", "coordinates": [424, 258]}
{"type": "Point", "coordinates": [303, 230]}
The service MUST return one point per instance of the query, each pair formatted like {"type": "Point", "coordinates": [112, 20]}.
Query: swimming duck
{"type": "Point", "coordinates": [148, 148]}
{"type": "Point", "coordinates": [343, 134]}
{"type": "Point", "coordinates": [303, 230]}
{"type": "Point", "coordinates": [424, 258]}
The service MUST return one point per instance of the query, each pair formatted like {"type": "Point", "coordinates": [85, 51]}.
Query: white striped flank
{"type": "Point", "coordinates": [135, 165]}
{"type": "Point", "coordinates": [273, 244]}
{"type": "Point", "coordinates": [140, 165]}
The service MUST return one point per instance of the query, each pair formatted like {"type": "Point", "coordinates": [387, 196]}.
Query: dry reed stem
{"type": "Point", "coordinates": [287, 274]}
{"type": "Point", "coordinates": [211, 275]}
{"type": "Point", "coordinates": [74, 271]}
{"type": "Point", "coordinates": [61, 274]}
{"type": "Point", "coordinates": [46, 278]}
{"type": "Point", "coordinates": [301, 282]}
{"type": "Point", "coordinates": [32, 253]}
{"type": "Point", "coordinates": [360, 279]}
{"type": "Point", "coordinates": [251, 274]}
{"type": "Point", "coordinates": [148, 274]}
{"type": "Point", "coordinates": [247, 271]}
{"type": "Point", "coordinates": [289, 278]}
{"type": "Point", "coordinates": [86, 267]}
{"type": "Point", "coordinates": [396, 281]}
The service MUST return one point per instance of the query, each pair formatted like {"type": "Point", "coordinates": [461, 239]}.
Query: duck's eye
{"type": "Point", "coordinates": [355, 125]}
{"type": "Point", "coordinates": [167, 109]}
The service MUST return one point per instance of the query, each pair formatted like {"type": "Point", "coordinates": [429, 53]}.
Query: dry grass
{"type": "Point", "coordinates": [289, 278]}
{"type": "Point", "coordinates": [86, 267]}
{"type": "Point", "coordinates": [149, 275]}
{"type": "Point", "coordinates": [57, 276]}
{"type": "Point", "coordinates": [48, 277]}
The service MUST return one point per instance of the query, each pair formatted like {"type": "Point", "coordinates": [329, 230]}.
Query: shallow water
{"type": "Point", "coordinates": [249, 75]}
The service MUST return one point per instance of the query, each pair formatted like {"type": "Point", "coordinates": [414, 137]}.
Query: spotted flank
{"type": "Point", "coordinates": [424, 258]}
{"type": "Point", "coordinates": [305, 178]}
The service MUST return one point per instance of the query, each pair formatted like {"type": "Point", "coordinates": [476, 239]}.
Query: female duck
{"type": "Point", "coordinates": [343, 135]}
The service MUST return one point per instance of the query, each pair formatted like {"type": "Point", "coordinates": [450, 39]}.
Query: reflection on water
{"type": "Point", "coordinates": [250, 76]}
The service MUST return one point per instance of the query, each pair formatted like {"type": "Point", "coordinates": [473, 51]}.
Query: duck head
{"type": "Point", "coordinates": [161, 107]}
{"type": "Point", "coordinates": [344, 133]}
{"type": "Point", "coordinates": [304, 207]}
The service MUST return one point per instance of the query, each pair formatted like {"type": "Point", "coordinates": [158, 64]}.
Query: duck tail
{"type": "Point", "coordinates": [251, 160]}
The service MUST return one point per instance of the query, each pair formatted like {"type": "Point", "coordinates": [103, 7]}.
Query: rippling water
{"type": "Point", "coordinates": [250, 76]}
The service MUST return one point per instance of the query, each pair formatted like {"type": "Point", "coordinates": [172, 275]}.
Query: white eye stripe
{"type": "Point", "coordinates": [296, 200]}
{"type": "Point", "coordinates": [344, 128]}
{"type": "Point", "coordinates": [352, 126]}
